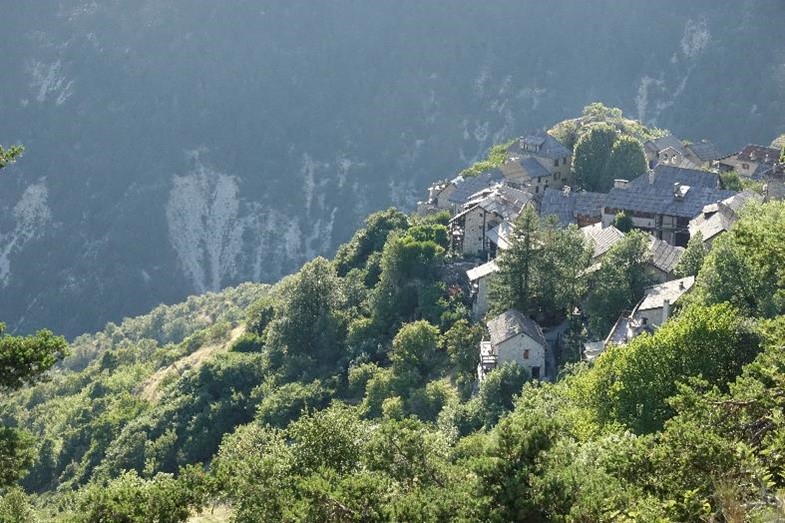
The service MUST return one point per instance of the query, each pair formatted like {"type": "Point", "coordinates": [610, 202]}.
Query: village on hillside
{"type": "Point", "coordinates": [679, 196]}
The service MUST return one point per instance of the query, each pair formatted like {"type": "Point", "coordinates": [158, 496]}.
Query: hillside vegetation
{"type": "Point", "coordinates": [349, 398]}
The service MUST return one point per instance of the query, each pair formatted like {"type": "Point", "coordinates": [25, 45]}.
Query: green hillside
{"type": "Point", "coordinates": [344, 393]}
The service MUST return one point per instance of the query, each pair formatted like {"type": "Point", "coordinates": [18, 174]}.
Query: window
{"type": "Point", "coordinates": [556, 176]}
{"type": "Point", "coordinates": [564, 161]}
{"type": "Point", "coordinates": [745, 166]}
{"type": "Point", "coordinates": [535, 373]}
{"type": "Point", "coordinates": [556, 162]}
{"type": "Point", "coordinates": [526, 354]}
{"type": "Point", "coordinates": [537, 189]}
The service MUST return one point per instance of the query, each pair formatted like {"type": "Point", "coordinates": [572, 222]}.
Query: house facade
{"type": "Point", "coordinates": [514, 338]}
{"type": "Point", "coordinates": [536, 162]}
{"type": "Point", "coordinates": [663, 201]}
{"type": "Point", "coordinates": [753, 161]}
{"type": "Point", "coordinates": [469, 229]}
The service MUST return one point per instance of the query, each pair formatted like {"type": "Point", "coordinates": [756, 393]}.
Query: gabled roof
{"type": "Point", "coordinates": [465, 187]}
{"type": "Point", "coordinates": [502, 200]}
{"type": "Point", "coordinates": [719, 217]}
{"type": "Point", "coordinates": [602, 239]}
{"type": "Point", "coordinates": [654, 192]}
{"type": "Point", "coordinates": [483, 270]}
{"type": "Point", "coordinates": [664, 256]}
{"type": "Point", "coordinates": [547, 146]}
{"type": "Point", "coordinates": [567, 205]}
{"type": "Point", "coordinates": [710, 227]}
{"type": "Point", "coordinates": [659, 144]}
{"type": "Point", "coordinates": [706, 151]}
{"type": "Point", "coordinates": [759, 153]}
{"type": "Point", "coordinates": [512, 323]}
{"type": "Point", "coordinates": [654, 297]}
{"type": "Point", "coordinates": [739, 200]}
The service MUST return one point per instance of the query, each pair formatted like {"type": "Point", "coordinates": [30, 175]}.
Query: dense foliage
{"type": "Point", "coordinates": [569, 132]}
{"type": "Point", "coordinates": [603, 155]}
{"type": "Point", "coordinates": [496, 156]}
{"type": "Point", "coordinates": [347, 392]}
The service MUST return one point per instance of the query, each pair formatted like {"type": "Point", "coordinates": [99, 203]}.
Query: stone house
{"type": "Point", "coordinates": [536, 162]}
{"type": "Point", "coordinates": [754, 161]}
{"type": "Point", "coordinates": [515, 338]}
{"type": "Point", "coordinates": [651, 312]}
{"type": "Point", "coordinates": [486, 210]}
{"type": "Point", "coordinates": [466, 188]}
{"type": "Point", "coordinates": [439, 194]}
{"type": "Point", "coordinates": [704, 154]}
{"type": "Point", "coordinates": [666, 150]}
{"type": "Point", "coordinates": [663, 201]}
{"type": "Point", "coordinates": [481, 278]}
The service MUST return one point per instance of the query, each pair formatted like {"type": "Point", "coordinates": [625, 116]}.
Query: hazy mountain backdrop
{"type": "Point", "coordinates": [175, 147]}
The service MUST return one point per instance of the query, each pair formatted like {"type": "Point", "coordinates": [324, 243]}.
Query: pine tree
{"type": "Point", "coordinates": [513, 287]}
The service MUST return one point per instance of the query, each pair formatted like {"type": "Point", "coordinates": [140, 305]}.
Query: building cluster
{"type": "Point", "coordinates": [678, 197]}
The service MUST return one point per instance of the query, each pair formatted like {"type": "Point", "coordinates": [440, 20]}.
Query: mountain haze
{"type": "Point", "coordinates": [181, 147]}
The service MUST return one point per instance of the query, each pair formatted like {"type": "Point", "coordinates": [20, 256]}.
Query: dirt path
{"type": "Point", "coordinates": [150, 389]}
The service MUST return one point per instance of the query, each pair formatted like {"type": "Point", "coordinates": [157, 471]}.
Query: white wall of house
{"type": "Point", "coordinates": [638, 222]}
{"type": "Point", "coordinates": [514, 349]}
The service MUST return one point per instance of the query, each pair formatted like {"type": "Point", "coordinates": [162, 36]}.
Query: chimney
{"type": "Point", "coordinates": [681, 285]}
{"type": "Point", "coordinates": [620, 183]}
{"type": "Point", "coordinates": [666, 310]}
{"type": "Point", "coordinates": [652, 177]}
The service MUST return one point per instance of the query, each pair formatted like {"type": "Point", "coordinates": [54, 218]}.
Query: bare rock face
{"type": "Point", "coordinates": [180, 147]}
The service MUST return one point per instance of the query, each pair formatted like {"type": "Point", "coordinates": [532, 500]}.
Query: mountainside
{"type": "Point", "coordinates": [180, 147]}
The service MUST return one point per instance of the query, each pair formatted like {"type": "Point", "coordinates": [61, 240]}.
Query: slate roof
{"type": "Point", "coordinates": [653, 193]}
{"type": "Point", "coordinates": [706, 151]}
{"type": "Point", "coordinates": [500, 235]}
{"type": "Point", "coordinates": [465, 187]}
{"type": "Point", "coordinates": [659, 144]}
{"type": "Point", "coordinates": [602, 239]}
{"type": "Point", "coordinates": [763, 169]}
{"type": "Point", "coordinates": [482, 270]}
{"type": "Point", "coordinates": [502, 200]}
{"type": "Point", "coordinates": [548, 146]}
{"type": "Point", "coordinates": [712, 226]}
{"type": "Point", "coordinates": [720, 217]}
{"type": "Point", "coordinates": [759, 153]}
{"type": "Point", "coordinates": [654, 297]}
{"type": "Point", "coordinates": [567, 205]}
{"type": "Point", "coordinates": [533, 168]}
{"type": "Point", "coordinates": [512, 323]}
{"type": "Point", "coordinates": [664, 256]}
{"type": "Point", "coordinates": [618, 333]}
{"type": "Point", "coordinates": [737, 201]}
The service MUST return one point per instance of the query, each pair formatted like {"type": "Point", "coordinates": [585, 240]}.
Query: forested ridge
{"type": "Point", "coordinates": [348, 391]}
